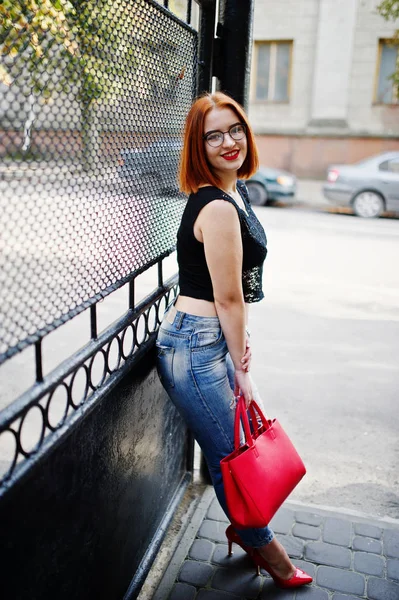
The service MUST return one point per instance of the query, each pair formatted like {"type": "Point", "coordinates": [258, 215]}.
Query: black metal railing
{"type": "Point", "coordinates": [93, 98]}
{"type": "Point", "coordinates": [31, 424]}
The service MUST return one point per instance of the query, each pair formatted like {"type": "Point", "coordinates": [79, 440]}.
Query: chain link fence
{"type": "Point", "coordinates": [93, 96]}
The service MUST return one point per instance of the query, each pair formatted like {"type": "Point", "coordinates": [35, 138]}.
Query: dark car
{"type": "Point", "coordinates": [270, 185]}
{"type": "Point", "coordinates": [153, 166]}
{"type": "Point", "coordinates": [369, 187]}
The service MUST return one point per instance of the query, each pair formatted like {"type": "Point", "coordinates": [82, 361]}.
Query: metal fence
{"type": "Point", "coordinates": [93, 95]}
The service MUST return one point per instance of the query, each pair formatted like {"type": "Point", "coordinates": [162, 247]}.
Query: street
{"type": "Point", "coordinates": [325, 347]}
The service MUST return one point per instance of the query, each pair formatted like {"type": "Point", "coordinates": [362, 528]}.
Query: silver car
{"type": "Point", "coordinates": [369, 187]}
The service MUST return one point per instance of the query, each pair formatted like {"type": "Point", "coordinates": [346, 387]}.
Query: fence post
{"type": "Point", "coordinates": [205, 43]}
{"type": "Point", "coordinates": [236, 18]}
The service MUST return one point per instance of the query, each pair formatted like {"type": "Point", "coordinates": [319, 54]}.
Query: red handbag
{"type": "Point", "coordinates": [260, 474]}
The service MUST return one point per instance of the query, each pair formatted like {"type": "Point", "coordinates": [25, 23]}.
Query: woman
{"type": "Point", "coordinates": [202, 346]}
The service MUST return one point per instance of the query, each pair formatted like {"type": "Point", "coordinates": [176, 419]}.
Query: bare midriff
{"type": "Point", "coordinates": [200, 308]}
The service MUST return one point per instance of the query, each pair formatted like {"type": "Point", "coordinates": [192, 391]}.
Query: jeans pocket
{"type": "Point", "coordinates": [201, 340]}
{"type": "Point", "coordinates": [165, 355]}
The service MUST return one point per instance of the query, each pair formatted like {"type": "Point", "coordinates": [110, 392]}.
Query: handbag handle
{"type": "Point", "coordinates": [254, 409]}
{"type": "Point", "coordinates": [241, 414]}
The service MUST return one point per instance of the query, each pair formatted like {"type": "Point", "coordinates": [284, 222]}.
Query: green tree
{"type": "Point", "coordinates": [31, 29]}
{"type": "Point", "coordinates": [65, 45]}
{"type": "Point", "coordinates": [389, 9]}
{"type": "Point", "coordinates": [34, 37]}
{"type": "Point", "coordinates": [97, 51]}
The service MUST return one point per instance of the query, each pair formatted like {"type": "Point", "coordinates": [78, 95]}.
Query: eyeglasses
{"type": "Point", "coordinates": [216, 138]}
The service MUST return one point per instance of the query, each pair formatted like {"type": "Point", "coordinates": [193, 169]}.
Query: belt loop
{"type": "Point", "coordinates": [179, 319]}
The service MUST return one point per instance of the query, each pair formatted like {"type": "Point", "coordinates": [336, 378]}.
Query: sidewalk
{"type": "Point", "coordinates": [349, 555]}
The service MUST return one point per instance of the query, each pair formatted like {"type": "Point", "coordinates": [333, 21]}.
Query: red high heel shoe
{"type": "Point", "coordinates": [298, 578]}
{"type": "Point", "coordinates": [233, 537]}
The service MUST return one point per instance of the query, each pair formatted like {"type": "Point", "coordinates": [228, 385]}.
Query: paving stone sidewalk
{"type": "Point", "coordinates": [349, 558]}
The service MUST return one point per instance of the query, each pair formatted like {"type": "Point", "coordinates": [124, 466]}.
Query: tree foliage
{"type": "Point", "coordinates": [76, 47]}
{"type": "Point", "coordinates": [389, 9]}
{"type": "Point", "coordinates": [30, 31]}
{"type": "Point", "coordinates": [65, 42]}
{"type": "Point", "coordinates": [92, 44]}
{"type": "Point", "coordinates": [96, 52]}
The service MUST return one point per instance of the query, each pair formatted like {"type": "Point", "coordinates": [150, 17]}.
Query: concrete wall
{"type": "Point", "coordinates": [331, 115]}
{"type": "Point", "coordinates": [287, 20]}
{"type": "Point", "coordinates": [334, 67]}
{"type": "Point", "coordinates": [363, 114]}
{"type": "Point", "coordinates": [333, 58]}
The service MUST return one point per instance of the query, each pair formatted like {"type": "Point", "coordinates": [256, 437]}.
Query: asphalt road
{"type": "Point", "coordinates": [326, 352]}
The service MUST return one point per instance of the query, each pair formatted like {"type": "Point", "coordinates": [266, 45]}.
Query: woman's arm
{"type": "Point", "coordinates": [220, 230]}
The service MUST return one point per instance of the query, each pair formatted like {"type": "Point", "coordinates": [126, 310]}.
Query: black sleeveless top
{"type": "Point", "coordinates": [194, 278]}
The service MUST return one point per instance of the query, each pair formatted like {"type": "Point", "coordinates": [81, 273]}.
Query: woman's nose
{"type": "Point", "coordinates": [228, 141]}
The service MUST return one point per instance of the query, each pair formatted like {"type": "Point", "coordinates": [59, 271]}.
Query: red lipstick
{"type": "Point", "coordinates": [231, 155]}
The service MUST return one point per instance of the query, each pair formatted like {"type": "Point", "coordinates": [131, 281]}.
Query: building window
{"type": "Point", "coordinates": [387, 91]}
{"type": "Point", "coordinates": [272, 71]}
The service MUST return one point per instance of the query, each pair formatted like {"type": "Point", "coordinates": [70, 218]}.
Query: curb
{"type": "Point", "coordinates": [182, 549]}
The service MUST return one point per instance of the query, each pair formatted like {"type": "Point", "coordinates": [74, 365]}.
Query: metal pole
{"type": "Point", "coordinates": [206, 34]}
{"type": "Point", "coordinates": [236, 17]}
{"type": "Point", "coordinates": [205, 50]}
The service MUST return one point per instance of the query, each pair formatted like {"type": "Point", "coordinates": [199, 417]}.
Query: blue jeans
{"type": "Point", "coordinates": [197, 372]}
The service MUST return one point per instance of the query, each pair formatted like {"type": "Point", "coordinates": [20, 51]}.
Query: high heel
{"type": "Point", "coordinates": [298, 578]}
{"type": "Point", "coordinates": [233, 537]}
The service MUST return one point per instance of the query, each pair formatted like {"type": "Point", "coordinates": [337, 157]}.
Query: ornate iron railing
{"type": "Point", "coordinates": [30, 425]}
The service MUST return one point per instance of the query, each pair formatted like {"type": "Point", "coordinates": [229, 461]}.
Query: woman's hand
{"type": "Point", "coordinates": [243, 386]}
{"type": "Point", "coordinates": [246, 359]}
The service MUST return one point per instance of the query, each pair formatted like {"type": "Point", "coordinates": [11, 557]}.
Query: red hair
{"type": "Point", "coordinates": [195, 169]}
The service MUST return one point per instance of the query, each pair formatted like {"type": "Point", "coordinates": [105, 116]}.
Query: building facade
{"type": "Point", "coordinates": [321, 91]}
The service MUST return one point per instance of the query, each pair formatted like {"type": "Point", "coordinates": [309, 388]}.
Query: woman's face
{"type": "Point", "coordinates": [230, 155]}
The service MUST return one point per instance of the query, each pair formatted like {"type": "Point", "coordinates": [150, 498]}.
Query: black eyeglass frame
{"type": "Point", "coordinates": [205, 136]}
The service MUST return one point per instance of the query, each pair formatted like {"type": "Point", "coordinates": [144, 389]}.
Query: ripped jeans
{"type": "Point", "coordinates": [197, 372]}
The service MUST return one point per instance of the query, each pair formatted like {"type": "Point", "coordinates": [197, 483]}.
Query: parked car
{"type": "Point", "coordinates": [269, 185]}
{"type": "Point", "coordinates": [369, 187]}
{"type": "Point", "coordinates": [154, 166]}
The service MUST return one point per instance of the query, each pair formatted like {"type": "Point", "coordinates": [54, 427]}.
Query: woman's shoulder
{"type": "Point", "coordinates": [203, 196]}
{"type": "Point", "coordinates": [219, 214]}
{"type": "Point", "coordinates": [210, 192]}
{"type": "Point", "coordinates": [206, 201]}
{"type": "Point", "coordinates": [206, 191]}
{"type": "Point", "coordinates": [219, 208]}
